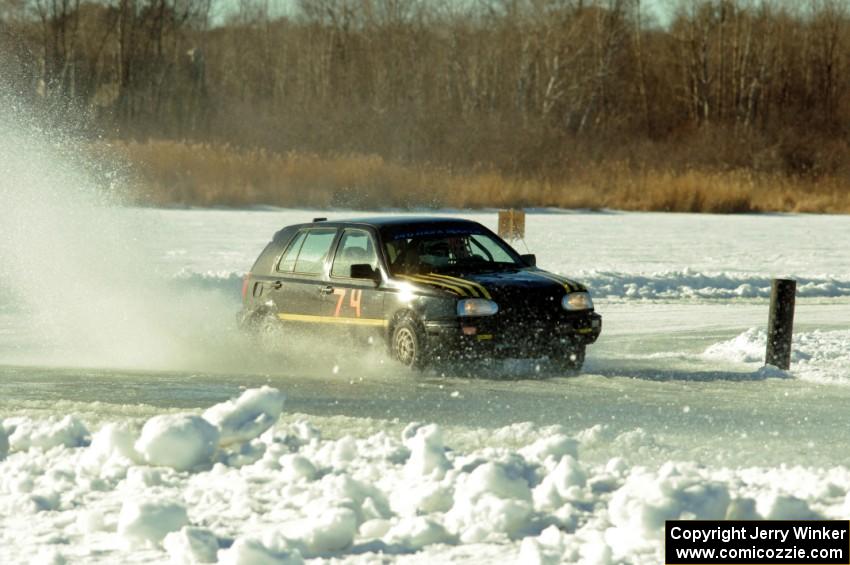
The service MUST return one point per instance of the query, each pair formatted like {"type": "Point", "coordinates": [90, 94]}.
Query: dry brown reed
{"type": "Point", "coordinates": [181, 173]}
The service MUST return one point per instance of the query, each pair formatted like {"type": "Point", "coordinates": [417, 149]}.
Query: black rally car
{"type": "Point", "coordinates": [433, 288]}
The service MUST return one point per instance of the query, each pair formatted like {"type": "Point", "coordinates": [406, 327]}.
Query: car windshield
{"type": "Point", "coordinates": [449, 252]}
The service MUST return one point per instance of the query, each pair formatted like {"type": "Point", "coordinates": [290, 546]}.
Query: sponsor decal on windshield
{"type": "Point", "coordinates": [426, 232]}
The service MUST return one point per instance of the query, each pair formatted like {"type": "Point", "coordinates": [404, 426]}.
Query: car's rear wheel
{"type": "Point", "coordinates": [409, 345]}
{"type": "Point", "coordinates": [269, 332]}
{"type": "Point", "coordinates": [571, 360]}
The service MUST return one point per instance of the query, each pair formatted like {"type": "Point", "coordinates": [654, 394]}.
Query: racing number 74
{"type": "Point", "coordinates": [353, 301]}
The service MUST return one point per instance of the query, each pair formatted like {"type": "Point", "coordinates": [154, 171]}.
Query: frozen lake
{"type": "Point", "coordinates": [675, 377]}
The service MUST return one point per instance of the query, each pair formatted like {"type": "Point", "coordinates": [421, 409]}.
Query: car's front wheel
{"type": "Point", "coordinates": [408, 345]}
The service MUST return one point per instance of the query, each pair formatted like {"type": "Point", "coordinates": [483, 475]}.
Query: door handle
{"type": "Point", "coordinates": [326, 289]}
{"type": "Point", "coordinates": [276, 285]}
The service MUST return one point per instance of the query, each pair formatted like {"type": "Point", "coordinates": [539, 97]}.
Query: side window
{"type": "Point", "coordinates": [355, 248]}
{"type": "Point", "coordinates": [287, 262]}
{"type": "Point", "coordinates": [314, 251]}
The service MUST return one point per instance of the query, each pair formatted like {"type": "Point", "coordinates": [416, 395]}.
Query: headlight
{"type": "Point", "coordinates": [577, 301]}
{"type": "Point", "coordinates": [476, 307]}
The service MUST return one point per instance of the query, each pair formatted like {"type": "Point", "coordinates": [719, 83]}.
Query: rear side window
{"type": "Point", "coordinates": [314, 251]}
{"type": "Point", "coordinates": [307, 252]}
{"type": "Point", "coordinates": [287, 262]}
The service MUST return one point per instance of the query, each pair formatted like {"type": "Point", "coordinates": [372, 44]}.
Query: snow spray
{"type": "Point", "coordinates": [75, 272]}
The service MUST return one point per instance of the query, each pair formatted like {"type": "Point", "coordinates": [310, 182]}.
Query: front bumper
{"type": "Point", "coordinates": [491, 337]}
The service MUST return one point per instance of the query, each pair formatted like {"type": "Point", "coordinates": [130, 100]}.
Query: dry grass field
{"type": "Point", "coordinates": [178, 173]}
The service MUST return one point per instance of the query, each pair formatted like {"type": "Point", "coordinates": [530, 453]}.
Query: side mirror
{"type": "Point", "coordinates": [530, 259]}
{"type": "Point", "coordinates": [365, 271]}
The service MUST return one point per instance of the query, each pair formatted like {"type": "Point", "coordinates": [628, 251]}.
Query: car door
{"type": "Point", "coordinates": [300, 286]}
{"type": "Point", "coordinates": [358, 303]}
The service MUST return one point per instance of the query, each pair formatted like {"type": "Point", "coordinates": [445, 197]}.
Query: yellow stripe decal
{"type": "Point", "coordinates": [466, 285]}
{"type": "Point", "coordinates": [332, 320]}
{"type": "Point", "coordinates": [476, 285]}
{"type": "Point", "coordinates": [451, 287]}
{"type": "Point", "coordinates": [556, 279]}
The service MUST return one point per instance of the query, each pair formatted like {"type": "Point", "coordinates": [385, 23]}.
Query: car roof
{"type": "Point", "coordinates": [381, 221]}
{"type": "Point", "coordinates": [388, 222]}
{"type": "Point", "coordinates": [384, 223]}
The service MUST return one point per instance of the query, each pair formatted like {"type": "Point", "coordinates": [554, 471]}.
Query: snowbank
{"type": "Point", "coordinates": [687, 284]}
{"type": "Point", "coordinates": [279, 493]}
{"type": "Point", "coordinates": [667, 285]}
{"type": "Point", "coordinates": [822, 356]}
{"type": "Point", "coordinates": [25, 433]}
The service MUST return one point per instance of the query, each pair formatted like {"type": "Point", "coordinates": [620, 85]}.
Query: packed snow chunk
{"type": "Point", "coordinates": [488, 518]}
{"type": "Point", "coordinates": [248, 416]}
{"type": "Point", "coordinates": [296, 467]}
{"type": "Point", "coordinates": [374, 528]}
{"type": "Point", "coordinates": [181, 441]}
{"type": "Point", "coordinates": [344, 450]}
{"type": "Point", "coordinates": [742, 509]}
{"type": "Point", "coordinates": [546, 549]}
{"type": "Point", "coordinates": [427, 452]}
{"type": "Point", "coordinates": [594, 550]}
{"type": "Point", "coordinates": [416, 532]}
{"type": "Point", "coordinates": [422, 497]}
{"type": "Point", "coordinates": [552, 447]}
{"type": "Point", "coordinates": [492, 499]}
{"type": "Point", "coordinates": [640, 507]}
{"type": "Point", "coordinates": [776, 506]}
{"type": "Point", "coordinates": [363, 498]}
{"type": "Point", "coordinates": [114, 441]}
{"type": "Point", "coordinates": [191, 545]}
{"type": "Point", "coordinates": [47, 434]}
{"type": "Point", "coordinates": [635, 440]}
{"type": "Point", "coordinates": [332, 530]}
{"type": "Point", "coordinates": [562, 485]}
{"type": "Point", "coordinates": [147, 522]}
{"type": "Point", "coordinates": [4, 442]}
{"type": "Point", "coordinates": [600, 434]}
{"type": "Point", "coordinates": [249, 551]}
{"type": "Point", "coordinates": [91, 521]}
{"type": "Point", "coordinates": [747, 347]}
{"type": "Point", "coordinates": [498, 479]}
{"type": "Point", "coordinates": [771, 372]}
{"type": "Point", "coordinates": [49, 556]}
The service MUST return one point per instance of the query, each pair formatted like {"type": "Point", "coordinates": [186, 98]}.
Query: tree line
{"type": "Point", "coordinates": [528, 87]}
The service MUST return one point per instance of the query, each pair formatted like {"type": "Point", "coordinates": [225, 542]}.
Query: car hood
{"type": "Point", "coordinates": [499, 286]}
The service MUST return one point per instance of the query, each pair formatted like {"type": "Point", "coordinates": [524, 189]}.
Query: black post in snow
{"type": "Point", "coordinates": [781, 323]}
